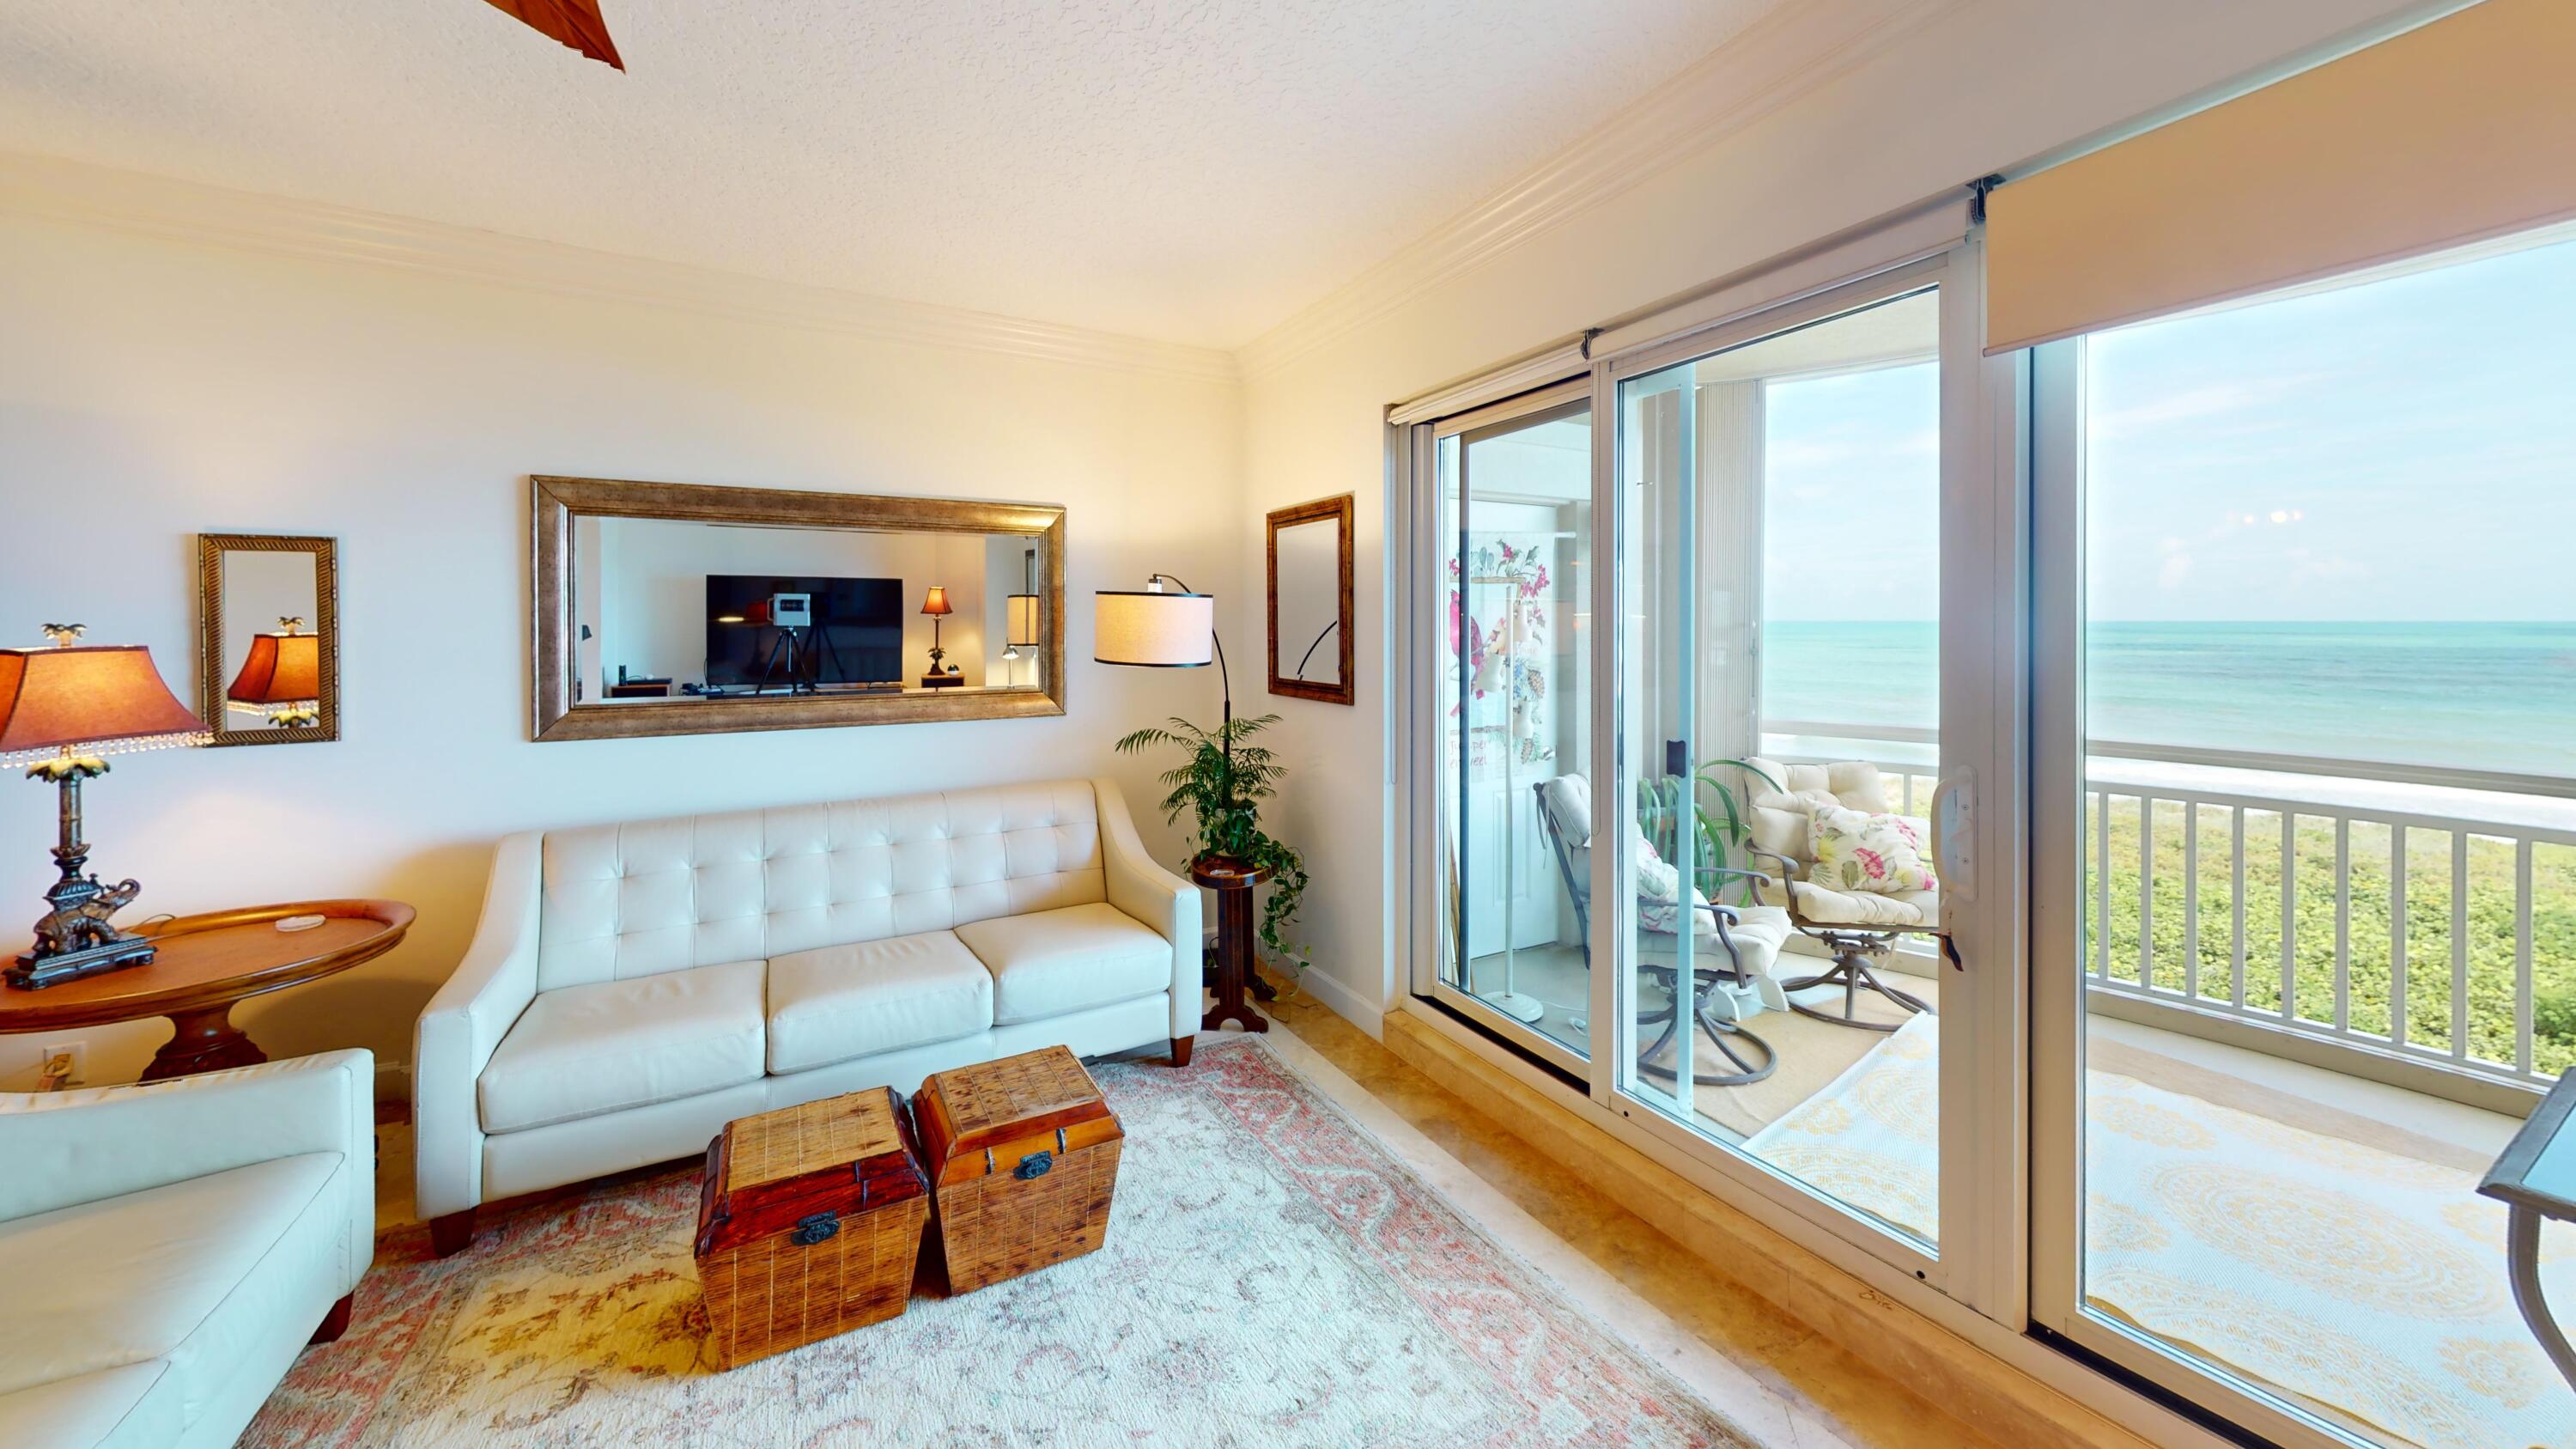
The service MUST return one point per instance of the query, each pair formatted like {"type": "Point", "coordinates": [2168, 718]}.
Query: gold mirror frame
{"type": "Point", "coordinates": [554, 503]}
{"type": "Point", "coordinates": [214, 671]}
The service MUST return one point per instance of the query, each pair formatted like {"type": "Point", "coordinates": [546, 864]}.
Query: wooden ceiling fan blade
{"type": "Point", "coordinates": [576, 23]}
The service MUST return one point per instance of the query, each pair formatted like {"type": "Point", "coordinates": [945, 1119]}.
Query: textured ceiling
{"type": "Point", "coordinates": [1195, 170]}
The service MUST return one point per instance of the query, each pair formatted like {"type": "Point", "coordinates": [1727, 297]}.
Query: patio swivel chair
{"type": "Point", "coordinates": [1739, 943]}
{"type": "Point", "coordinates": [1860, 928]}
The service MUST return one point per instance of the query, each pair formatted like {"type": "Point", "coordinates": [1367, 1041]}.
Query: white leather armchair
{"type": "Point", "coordinates": [464, 1024]}
{"type": "Point", "coordinates": [169, 1249]}
{"type": "Point", "coordinates": [1160, 899]}
{"type": "Point", "coordinates": [631, 988]}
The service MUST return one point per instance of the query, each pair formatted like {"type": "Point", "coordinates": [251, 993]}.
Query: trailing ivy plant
{"type": "Point", "coordinates": [1221, 786]}
{"type": "Point", "coordinates": [1718, 837]}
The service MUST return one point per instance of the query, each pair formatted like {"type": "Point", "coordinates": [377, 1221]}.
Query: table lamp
{"type": "Point", "coordinates": [64, 709]}
{"type": "Point", "coordinates": [936, 606]}
{"type": "Point", "coordinates": [283, 672]}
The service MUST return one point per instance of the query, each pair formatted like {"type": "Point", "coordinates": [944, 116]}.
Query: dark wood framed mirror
{"type": "Point", "coordinates": [676, 608]}
{"type": "Point", "coordinates": [268, 638]}
{"type": "Point", "coordinates": [1310, 601]}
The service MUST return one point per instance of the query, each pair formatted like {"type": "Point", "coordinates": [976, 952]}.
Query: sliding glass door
{"type": "Point", "coordinates": [1696, 722]}
{"type": "Point", "coordinates": [2307, 884]}
{"type": "Point", "coordinates": [1783, 1002]}
{"type": "Point", "coordinates": [1510, 716]}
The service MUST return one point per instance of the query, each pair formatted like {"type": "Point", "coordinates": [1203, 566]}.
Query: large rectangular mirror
{"type": "Point", "coordinates": [1310, 601]}
{"type": "Point", "coordinates": [666, 608]}
{"type": "Point", "coordinates": [268, 652]}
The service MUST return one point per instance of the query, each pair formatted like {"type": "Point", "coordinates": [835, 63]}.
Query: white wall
{"type": "Point", "coordinates": [1976, 88]}
{"type": "Point", "coordinates": [150, 389]}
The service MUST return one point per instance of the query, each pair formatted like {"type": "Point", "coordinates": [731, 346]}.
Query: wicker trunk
{"type": "Point", "coordinates": [1024, 1157]}
{"type": "Point", "coordinates": [809, 1224]}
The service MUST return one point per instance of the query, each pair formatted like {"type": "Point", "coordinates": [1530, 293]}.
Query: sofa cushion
{"type": "Point", "coordinates": [110, 1409]}
{"type": "Point", "coordinates": [1048, 963]}
{"type": "Point", "coordinates": [839, 1002]}
{"type": "Point", "coordinates": [178, 1253]}
{"type": "Point", "coordinates": [585, 1050]}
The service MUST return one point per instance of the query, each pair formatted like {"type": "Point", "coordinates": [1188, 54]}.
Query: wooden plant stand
{"type": "Point", "coordinates": [1233, 883]}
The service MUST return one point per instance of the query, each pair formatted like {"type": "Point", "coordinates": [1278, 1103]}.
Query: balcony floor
{"type": "Point", "coordinates": [2314, 1233]}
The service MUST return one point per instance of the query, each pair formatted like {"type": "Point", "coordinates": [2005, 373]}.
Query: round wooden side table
{"type": "Point", "coordinates": [202, 966]}
{"type": "Point", "coordinates": [1233, 882]}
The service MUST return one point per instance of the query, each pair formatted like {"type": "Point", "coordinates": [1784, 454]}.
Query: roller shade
{"type": "Point", "coordinates": [2455, 131]}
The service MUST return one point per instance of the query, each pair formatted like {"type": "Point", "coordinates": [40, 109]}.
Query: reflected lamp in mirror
{"type": "Point", "coordinates": [282, 677]}
{"type": "Point", "coordinates": [1310, 601]}
{"type": "Point", "coordinates": [1020, 624]}
{"type": "Point", "coordinates": [935, 604]}
{"type": "Point", "coordinates": [62, 711]}
{"type": "Point", "coordinates": [268, 652]}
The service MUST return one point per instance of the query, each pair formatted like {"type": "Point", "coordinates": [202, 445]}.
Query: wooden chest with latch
{"type": "Point", "coordinates": [1023, 1157]}
{"type": "Point", "coordinates": [809, 1223]}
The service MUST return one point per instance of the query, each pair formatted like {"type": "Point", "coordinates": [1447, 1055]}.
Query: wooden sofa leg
{"type": "Point", "coordinates": [452, 1234]}
{"type": "Point", "coordinates": [336, 1322]}
{"type": "Point", "coordinates": [1181, 1049]}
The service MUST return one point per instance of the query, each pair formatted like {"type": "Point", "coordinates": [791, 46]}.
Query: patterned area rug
{"type": "Point", "coordinates": [2366, 1284]}
{"type": "Point", "coordinates": [1273, 1275]}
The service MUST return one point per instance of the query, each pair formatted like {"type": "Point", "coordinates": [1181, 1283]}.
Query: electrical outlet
{"type": "Point", "coordinates": [66, 1064]}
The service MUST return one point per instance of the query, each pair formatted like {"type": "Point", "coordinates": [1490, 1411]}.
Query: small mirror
{"type": "Point", "coordinates": [676, 609]}
{"type": "Point", "coordinates": [1310, 601]}
{"type": "Point", "coordinates": [269, 644]}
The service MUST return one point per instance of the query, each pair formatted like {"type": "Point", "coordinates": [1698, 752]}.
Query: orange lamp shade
{"type": "Point", "coordinates": [281, 669]}
{"type": "Point", "coordinates": [99, 699]}
{"type": "Point", "coordinates": [937, 603]}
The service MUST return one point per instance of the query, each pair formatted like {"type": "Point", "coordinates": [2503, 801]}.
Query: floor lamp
{"type": "Point", "coordinates": [1150, 629]}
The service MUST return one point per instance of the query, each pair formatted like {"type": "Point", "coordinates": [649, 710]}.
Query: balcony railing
{"type": "Point", "coordinates": [2378, 911]}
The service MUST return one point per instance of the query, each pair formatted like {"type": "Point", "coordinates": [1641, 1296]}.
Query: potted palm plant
{"type": "Point", "coordinates": [1669, 804]}
{"type": "Point", "coordinates": [1220, 784]}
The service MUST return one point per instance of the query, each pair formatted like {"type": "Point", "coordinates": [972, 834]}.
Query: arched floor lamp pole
{"type": "Point", "coordinates": [1150, 629]}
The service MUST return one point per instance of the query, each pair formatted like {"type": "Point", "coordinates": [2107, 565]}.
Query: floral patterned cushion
{"type": "Point", "coordinates": [1859, 851]}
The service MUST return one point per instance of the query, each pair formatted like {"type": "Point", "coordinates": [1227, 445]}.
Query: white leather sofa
{"type": "Point", "coordinates": [632, 988]}
{"type": "Point", "coordinates": [167, 1250]}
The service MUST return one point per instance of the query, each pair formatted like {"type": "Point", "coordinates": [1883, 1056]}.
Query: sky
{"type": "Point", "coordinates": [2401, 449]}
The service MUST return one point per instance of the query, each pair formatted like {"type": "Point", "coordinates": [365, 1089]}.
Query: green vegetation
{"type": "Point", "coordinates": [2489, 934]}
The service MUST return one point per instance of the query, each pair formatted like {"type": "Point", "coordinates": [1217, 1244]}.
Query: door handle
{"type": "Point", "coordinates": [1954, 836]}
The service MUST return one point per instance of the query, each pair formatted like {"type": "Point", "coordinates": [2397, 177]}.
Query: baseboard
{"type": "Point", "coordinates": [393, 1082]}
{"type": "Point", "coordinates": [1368, 1016]}
{"type": "Point", "coordinates": [1982, 1391]}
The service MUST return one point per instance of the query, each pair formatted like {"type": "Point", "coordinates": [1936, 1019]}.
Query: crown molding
{"type": "Point", "coordinates": [1789, 51]}
{"type": "Point", "coordinates": [50, 189]}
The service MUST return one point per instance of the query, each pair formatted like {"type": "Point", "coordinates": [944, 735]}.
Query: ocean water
{"type": "Point", "coordinates": [2468, 696]}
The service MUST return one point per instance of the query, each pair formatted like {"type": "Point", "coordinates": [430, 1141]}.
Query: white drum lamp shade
{"type": "Point", "coordinates": [1172, 631]}
{"type": "Point", "coordinates": [1020, 618]}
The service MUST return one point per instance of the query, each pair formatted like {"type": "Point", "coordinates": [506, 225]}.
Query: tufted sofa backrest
{"type": "Point", "coordinates": [706, 890]}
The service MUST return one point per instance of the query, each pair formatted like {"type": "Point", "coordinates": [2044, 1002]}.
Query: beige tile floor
{"type": "Point", "coordinates": [1820, 1382]}
{"type": "Point", "coordinates": [1796, 1388]}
